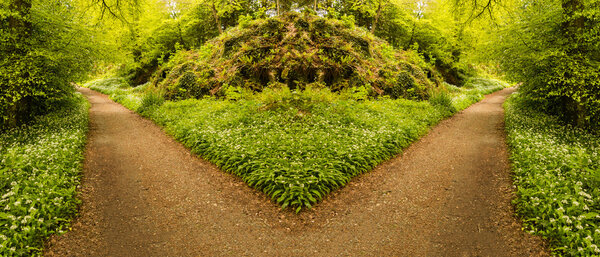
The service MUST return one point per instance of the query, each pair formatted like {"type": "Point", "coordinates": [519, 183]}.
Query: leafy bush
{"type": "Point", "coordinates": [552, 47]}
{"type": "Point", "coordinates": [296, 50]}
{"type": "Point", "coordinates": [40, 165]}
{"type": "Point", "coordinates": [556, 170]}
{"type": "Point", "coordinates": [181, 31]}
{"type": "Point", "coordinates": [40, 57]}
{"type": "Point", "coordinates": [434, 33]}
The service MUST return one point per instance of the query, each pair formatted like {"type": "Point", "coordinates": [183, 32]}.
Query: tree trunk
{"type": "Point", "coordinates": [181, 37]}
{"type": "Point", "coordinates": [20, 26]}
{"type": "Point", "coordinates": [377, 16]}
{"type": "Point", "coordinates": [216, 16]}
{"type": "Point", "coordinates": [277, 3]}
{"type": "Point", "coordinates": [572, 27]}
{"type": "Point", "coordinates": [412, 36]}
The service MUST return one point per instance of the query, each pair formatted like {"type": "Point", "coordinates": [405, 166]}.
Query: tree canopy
{"type": "Point", "coordinates": [550, 46]}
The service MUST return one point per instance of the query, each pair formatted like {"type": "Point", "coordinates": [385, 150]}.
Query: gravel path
{"type": "Point", "coordinates": [145, 195]}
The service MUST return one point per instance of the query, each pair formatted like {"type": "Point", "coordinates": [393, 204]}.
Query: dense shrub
{"type": "Point", "coordinates": [433, 32]}
{"type": "Point", "coordinates": [149, 101]}
{"type": "Point", "coordinates": [552, 47]}
{"type": "Point", "coordinates": [183, 31]}
{"type": "Point", "coordinates": [43, 48]}
{"type": "Point", "coordinates": [443, 101]}
{"type": "Point", "coordinates": [296, 50]}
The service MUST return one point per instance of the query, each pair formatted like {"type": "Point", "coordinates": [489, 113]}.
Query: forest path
{"type": "Point", "coordinates": [146, 195]}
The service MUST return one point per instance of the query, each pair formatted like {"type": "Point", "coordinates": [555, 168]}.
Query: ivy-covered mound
{"type": "Point", "coordinates": [296, 50]}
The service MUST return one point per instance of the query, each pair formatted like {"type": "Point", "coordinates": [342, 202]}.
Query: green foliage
{"type": "Point", "coordinates": [552, 47]}
{"type": "Point", "coordinates": [149, 101]}
{"type": "Point", "coordinates": [181, 27]}
{"type": "Point", "coordinates": [294, 153]}
{"type": "Point", "coordinates": [451, 99]}
{"type": "Point", "coordinates": [443, 101]}
{"type": "Point", "coordinates": [44, 47]}
{"type": "Point", "coordinates": [474, 90]}
{"type": "Point", "coordinates": [299, 145]}
{"type": "Point", "coordinates": [40, 165]}
{"type": "Point", "coordinates": [119, 91]}
{"type": "Point", "coordinates": [427, 27]}
{"type": "Point", "coordinates": [556, 171]}
{"type": "Point", "coordinates": [296, 50]}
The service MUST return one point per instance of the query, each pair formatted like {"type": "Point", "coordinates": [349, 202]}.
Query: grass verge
{"type": "Point", "coordinates": [297, 146]}
{"type": "Point", "coordinates": [557, 173]}
{"type": "Point", "coordinates": [40, 165]}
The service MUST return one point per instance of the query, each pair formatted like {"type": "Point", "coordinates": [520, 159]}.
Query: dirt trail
{"type": "Point", "coordinates": [145, 195]}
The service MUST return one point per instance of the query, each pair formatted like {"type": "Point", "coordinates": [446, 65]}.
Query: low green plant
{"type": "Point", "coordinates": [296, 153]}
{"type": "Point", "coordinates": [40, 165]}
{"type": "Point", "coordinates": [557, 173]}
{"type": "Point", "coordinates": [299, 145]}
{"type": "Point", "coordinates": [443, 100]}
{"type": "Point", "coordinates": [473, 91]}
{"type": "Point", "coordinates": [150, 100]}
{"type": "Point", "coordinates": [119, 91]}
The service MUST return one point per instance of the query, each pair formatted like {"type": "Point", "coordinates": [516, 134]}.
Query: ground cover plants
{"type": "Point", "coordinates": [119, 90]}
{"type": "Point", "coordinates": [557, 174]}
{"type": "Point", "coordinates": [298, 145]}
{"type": "Point", "coordinates": [40, 164]}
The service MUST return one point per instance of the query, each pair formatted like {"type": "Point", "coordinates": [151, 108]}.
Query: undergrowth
{"type": "Point", "coordinates": [557, 174]}
{"type": "Point", "coordinates": [40, 165]}
{"type": "Point", "coordinates": [119, 90]}
{"type": "Point", "coordinates": [297, 146]}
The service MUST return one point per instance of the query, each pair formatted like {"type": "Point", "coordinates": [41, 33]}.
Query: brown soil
{"type": "Point", "coordinates": [447, 195]}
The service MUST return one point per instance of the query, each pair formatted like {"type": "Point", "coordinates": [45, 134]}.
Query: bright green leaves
{"type": "Point", "coordinates": [556, 171]}
{"type": "Point", "coordinates": [50, 46]}
{"type": "Point", "coordinates": [552, 46]}
{"type": "Point", "coordinates": [39, 171]}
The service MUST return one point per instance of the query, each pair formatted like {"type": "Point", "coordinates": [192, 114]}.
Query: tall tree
{"type": "Point", "coordinates": [45, 45]}
{"type": "Point", "coordinates": [553, 47]}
